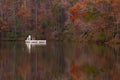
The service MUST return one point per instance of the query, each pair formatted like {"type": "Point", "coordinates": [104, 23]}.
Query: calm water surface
{"type": "Point", "coordinates": [59, 61]}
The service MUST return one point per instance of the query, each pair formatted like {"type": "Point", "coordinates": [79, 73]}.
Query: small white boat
{"type": "Point", "coordinates": [36, 41]}
{"type": "Point", "coordinates": [30, 41]}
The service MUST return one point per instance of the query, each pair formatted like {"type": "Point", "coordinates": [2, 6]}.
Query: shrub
{"type": "Point", "coordinates": [100, 37]}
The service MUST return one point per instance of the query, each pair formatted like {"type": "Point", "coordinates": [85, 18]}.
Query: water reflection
{"type": "Point", "coordinates": [30, 45]}
{"type": "Point", "coordinates": [59, 61]}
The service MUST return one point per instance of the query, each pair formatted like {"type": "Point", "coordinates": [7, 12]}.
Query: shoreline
{"type": "Point", "coordinates": [111, 42]}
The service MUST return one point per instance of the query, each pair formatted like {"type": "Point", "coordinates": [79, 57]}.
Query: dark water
{"type": "Point", "coordinates": [59, 61]}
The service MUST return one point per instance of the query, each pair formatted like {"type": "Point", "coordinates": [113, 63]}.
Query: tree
{"type": "Point", "coordinates": [96, 15]}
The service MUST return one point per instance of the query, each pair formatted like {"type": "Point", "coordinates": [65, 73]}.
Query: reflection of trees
{"type": "Point", "coordinates": [23, 68]}
{"type": "Point", "coordinates": [43, 63]}
{"type": "Point", "coordinates": [88, 62]}
{"type": "Point", "coordinates": [52, 63]}
{"type": "Point", "coordinates": [97, 64]}
{"type": "Point", "coordinates": [6, 64]}
{"type": "Point", "coordinates": [76, 71]}
{"type": "Point", "coordinates": [40, 64]}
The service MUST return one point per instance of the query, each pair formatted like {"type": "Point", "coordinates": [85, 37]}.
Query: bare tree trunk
{"type": "Point", "coordinates": [13, 16]}
{"type": "Point", "coordinates": [36, 15]}
{"type": "Point", "coordinates": [117, 36]}
{"type": "Point", "coordinates": [2, 16]}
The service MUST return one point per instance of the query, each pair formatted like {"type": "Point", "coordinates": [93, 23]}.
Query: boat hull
{"type": "Point", "coordinates": [36, 41]}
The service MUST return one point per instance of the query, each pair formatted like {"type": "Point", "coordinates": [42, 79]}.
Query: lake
{"type": "Point", "coordinates": [59, 61]}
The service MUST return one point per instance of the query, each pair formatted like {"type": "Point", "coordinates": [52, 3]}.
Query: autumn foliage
{"type": "Point", "coordinates": [77, 11]}
{"type": "Point", "coordinates": [23, 12]}
{"type": "Point", "coordinates": [96, 15]}
{"type": "Point", "coordinates": [3, 25]}
{"type": "Point", "coordinates": [54, 18]}
{"type": "Point", "coordinates": [81, 9]}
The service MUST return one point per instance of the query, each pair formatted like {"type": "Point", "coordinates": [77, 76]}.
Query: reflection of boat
{"type": "Point", "coordinates": [34, 42]}
{"type": "Point", "coordinates": [31, 45]}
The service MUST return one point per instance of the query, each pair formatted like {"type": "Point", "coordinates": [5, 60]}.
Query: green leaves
{"type": "Point", "coordinates": [92, 15]}
{"type": "Point", "coordinates": [18, 22]}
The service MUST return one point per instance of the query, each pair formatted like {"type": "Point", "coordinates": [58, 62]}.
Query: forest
{"type": "Point", "coordinates": [64, 20]}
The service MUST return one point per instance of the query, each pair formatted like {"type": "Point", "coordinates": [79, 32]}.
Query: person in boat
{"type": "Point", "coordinates": [29, 37]}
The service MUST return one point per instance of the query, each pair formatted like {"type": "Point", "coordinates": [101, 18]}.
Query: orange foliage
{"type": "Point", "coordinates": [24, 69]}
{"type": "Point", "coordinates": [76, 72]}
{"type": "Point", "coordinates": [98, 14]}
{"type": "Point", "coordinates": [116, 5]}
{"type": "Point", "coordinates": [77, 11]}
{"type": "Point", "coordinates": [3, 25]}
{"type": "Point", "coordinates": [4, 28]}
{"type": "Point", "coordinates": [7, 0]}
{"type": "Point", "coordinates": [24, 12]}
